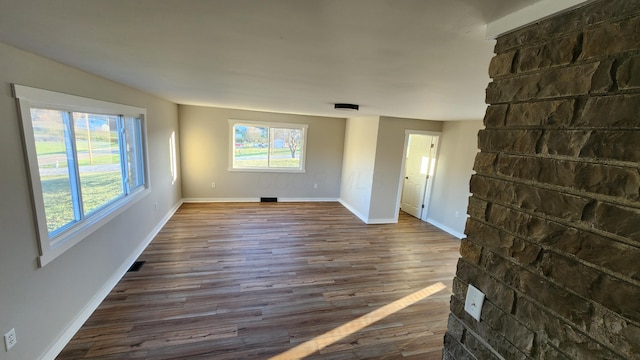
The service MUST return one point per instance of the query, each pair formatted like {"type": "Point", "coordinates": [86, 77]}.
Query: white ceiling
{"type": "Point", "coordinates": [424, 59]}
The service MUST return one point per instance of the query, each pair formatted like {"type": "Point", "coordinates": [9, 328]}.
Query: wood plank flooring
{"type": "Point", "coordinates": [268, 280]}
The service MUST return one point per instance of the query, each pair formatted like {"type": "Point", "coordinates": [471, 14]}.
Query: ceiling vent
{"type": "Point", "coordinates": [347, 107]}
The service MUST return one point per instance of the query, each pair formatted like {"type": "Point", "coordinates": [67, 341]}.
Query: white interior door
{"type": "Point", "coordinates": [417, 167]}
{"type": "Point", "coordinates": [433, 146]}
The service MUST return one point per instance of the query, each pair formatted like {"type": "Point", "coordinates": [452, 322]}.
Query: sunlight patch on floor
{"type": "Point", "coordinates": [322, 341]}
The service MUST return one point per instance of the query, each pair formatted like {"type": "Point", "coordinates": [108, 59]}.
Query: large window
{"type": "Point", "coordinates": [258, 146]}
{"type": "Point", "coordinates": [86, 160]}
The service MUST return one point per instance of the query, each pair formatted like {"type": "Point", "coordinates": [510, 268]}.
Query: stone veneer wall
{"type": "Point", "coordinates": [554, 228]}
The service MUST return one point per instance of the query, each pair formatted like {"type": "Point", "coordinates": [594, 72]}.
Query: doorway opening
{"type": "Point", "coordinates": [421, 150]}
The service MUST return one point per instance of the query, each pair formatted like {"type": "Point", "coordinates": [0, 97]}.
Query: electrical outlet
{"type": "Point", "coordinates": [315, 186]}
{"type": "Point", "coordinates": [10, 339]}
{"type": "Point", "coordinates": [474, 301]}
{"type": "Point", "coordinates": [213, 184]}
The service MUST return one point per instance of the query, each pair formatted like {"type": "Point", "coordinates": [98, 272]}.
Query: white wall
{"type": "Point", "coordinates": [450, 195]}
{"type": "Point", "coordinates": [41, 303]}
{"type": "Point", "coordinates": [357, 165]}
{"type": "Point", "coordinates": [372, 165]}
{"type": "Point", "coordinates": [205, 151]}
{"type": "Point", "coordinates": [388, 165]}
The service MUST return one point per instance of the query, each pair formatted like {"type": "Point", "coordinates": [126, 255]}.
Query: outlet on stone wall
{"type": "Point", "coordinates": [473, 302]}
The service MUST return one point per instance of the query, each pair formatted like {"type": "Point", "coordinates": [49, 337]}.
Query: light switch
{"type": "Point", "coordinates": [473, 304]}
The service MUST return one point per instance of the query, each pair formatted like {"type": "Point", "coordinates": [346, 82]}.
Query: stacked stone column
{"type": "Point", "coordinates": [553, 237]}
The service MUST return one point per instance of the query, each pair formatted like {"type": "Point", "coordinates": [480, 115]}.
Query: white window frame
{"type": "Point", "coordinates": [51, 247]}
{"type": "Point", "coordinates": [268, 124]}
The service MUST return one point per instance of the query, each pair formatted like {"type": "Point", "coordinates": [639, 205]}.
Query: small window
{"type": "Point", "coordinates": [258, 146]}
{"type": "Point", "coordinates": [86, 160]}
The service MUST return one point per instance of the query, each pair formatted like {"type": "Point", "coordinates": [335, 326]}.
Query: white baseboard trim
{"type": "Point", "coordinates": [307, 199]}
{"type": "Point", "coordinates": [239, 200]}
{"type": "Point", "coordinates": [212, 200]}
{"type": "Point", "coordinates": [75, 325]}
{"type": "Point", "coordinates": [354, 211]}
{"type": "Point", "coordinates": [383, 221]}
{"type": "Point", "coordinates": [446, 228]}
{"type": "Point", "coordinates": [365, 219]}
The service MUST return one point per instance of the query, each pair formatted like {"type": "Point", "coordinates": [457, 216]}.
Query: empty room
{"type": "Point", "coordinates": [330, 179]}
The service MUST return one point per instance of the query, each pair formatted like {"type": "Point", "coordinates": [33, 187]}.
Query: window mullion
{"type": "Point", "coordinates": [123, 156]}
{"type": "Point", "coordinates": [73, 166]}
{"type": "Point", "coordinates": [139, 152]}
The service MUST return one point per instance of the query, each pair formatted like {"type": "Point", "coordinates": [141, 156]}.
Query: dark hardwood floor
{"type": "Point", "coordinates": [278, 281]}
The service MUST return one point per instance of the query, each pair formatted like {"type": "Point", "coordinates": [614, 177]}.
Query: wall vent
{"type": "Point", "coordinates": [268, 199]}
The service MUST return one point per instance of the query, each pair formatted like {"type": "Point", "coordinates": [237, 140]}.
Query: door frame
{"type": "Point", "coordinates": [408, 132]}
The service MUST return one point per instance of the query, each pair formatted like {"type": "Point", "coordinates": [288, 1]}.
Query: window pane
{"type": "Point", "coordinates": [98, 149]}
{"type": "Point", "coordinates": [286, 145]}
{"type": "Point", "coordinates": [251, 146]}
{"type": "Point", "coordinates": [133, 137]}
{"type": "Point", "coordinates": [48, 131]}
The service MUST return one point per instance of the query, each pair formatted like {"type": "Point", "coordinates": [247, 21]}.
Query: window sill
{"type": "Point", "coordinates": [75, 234]}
